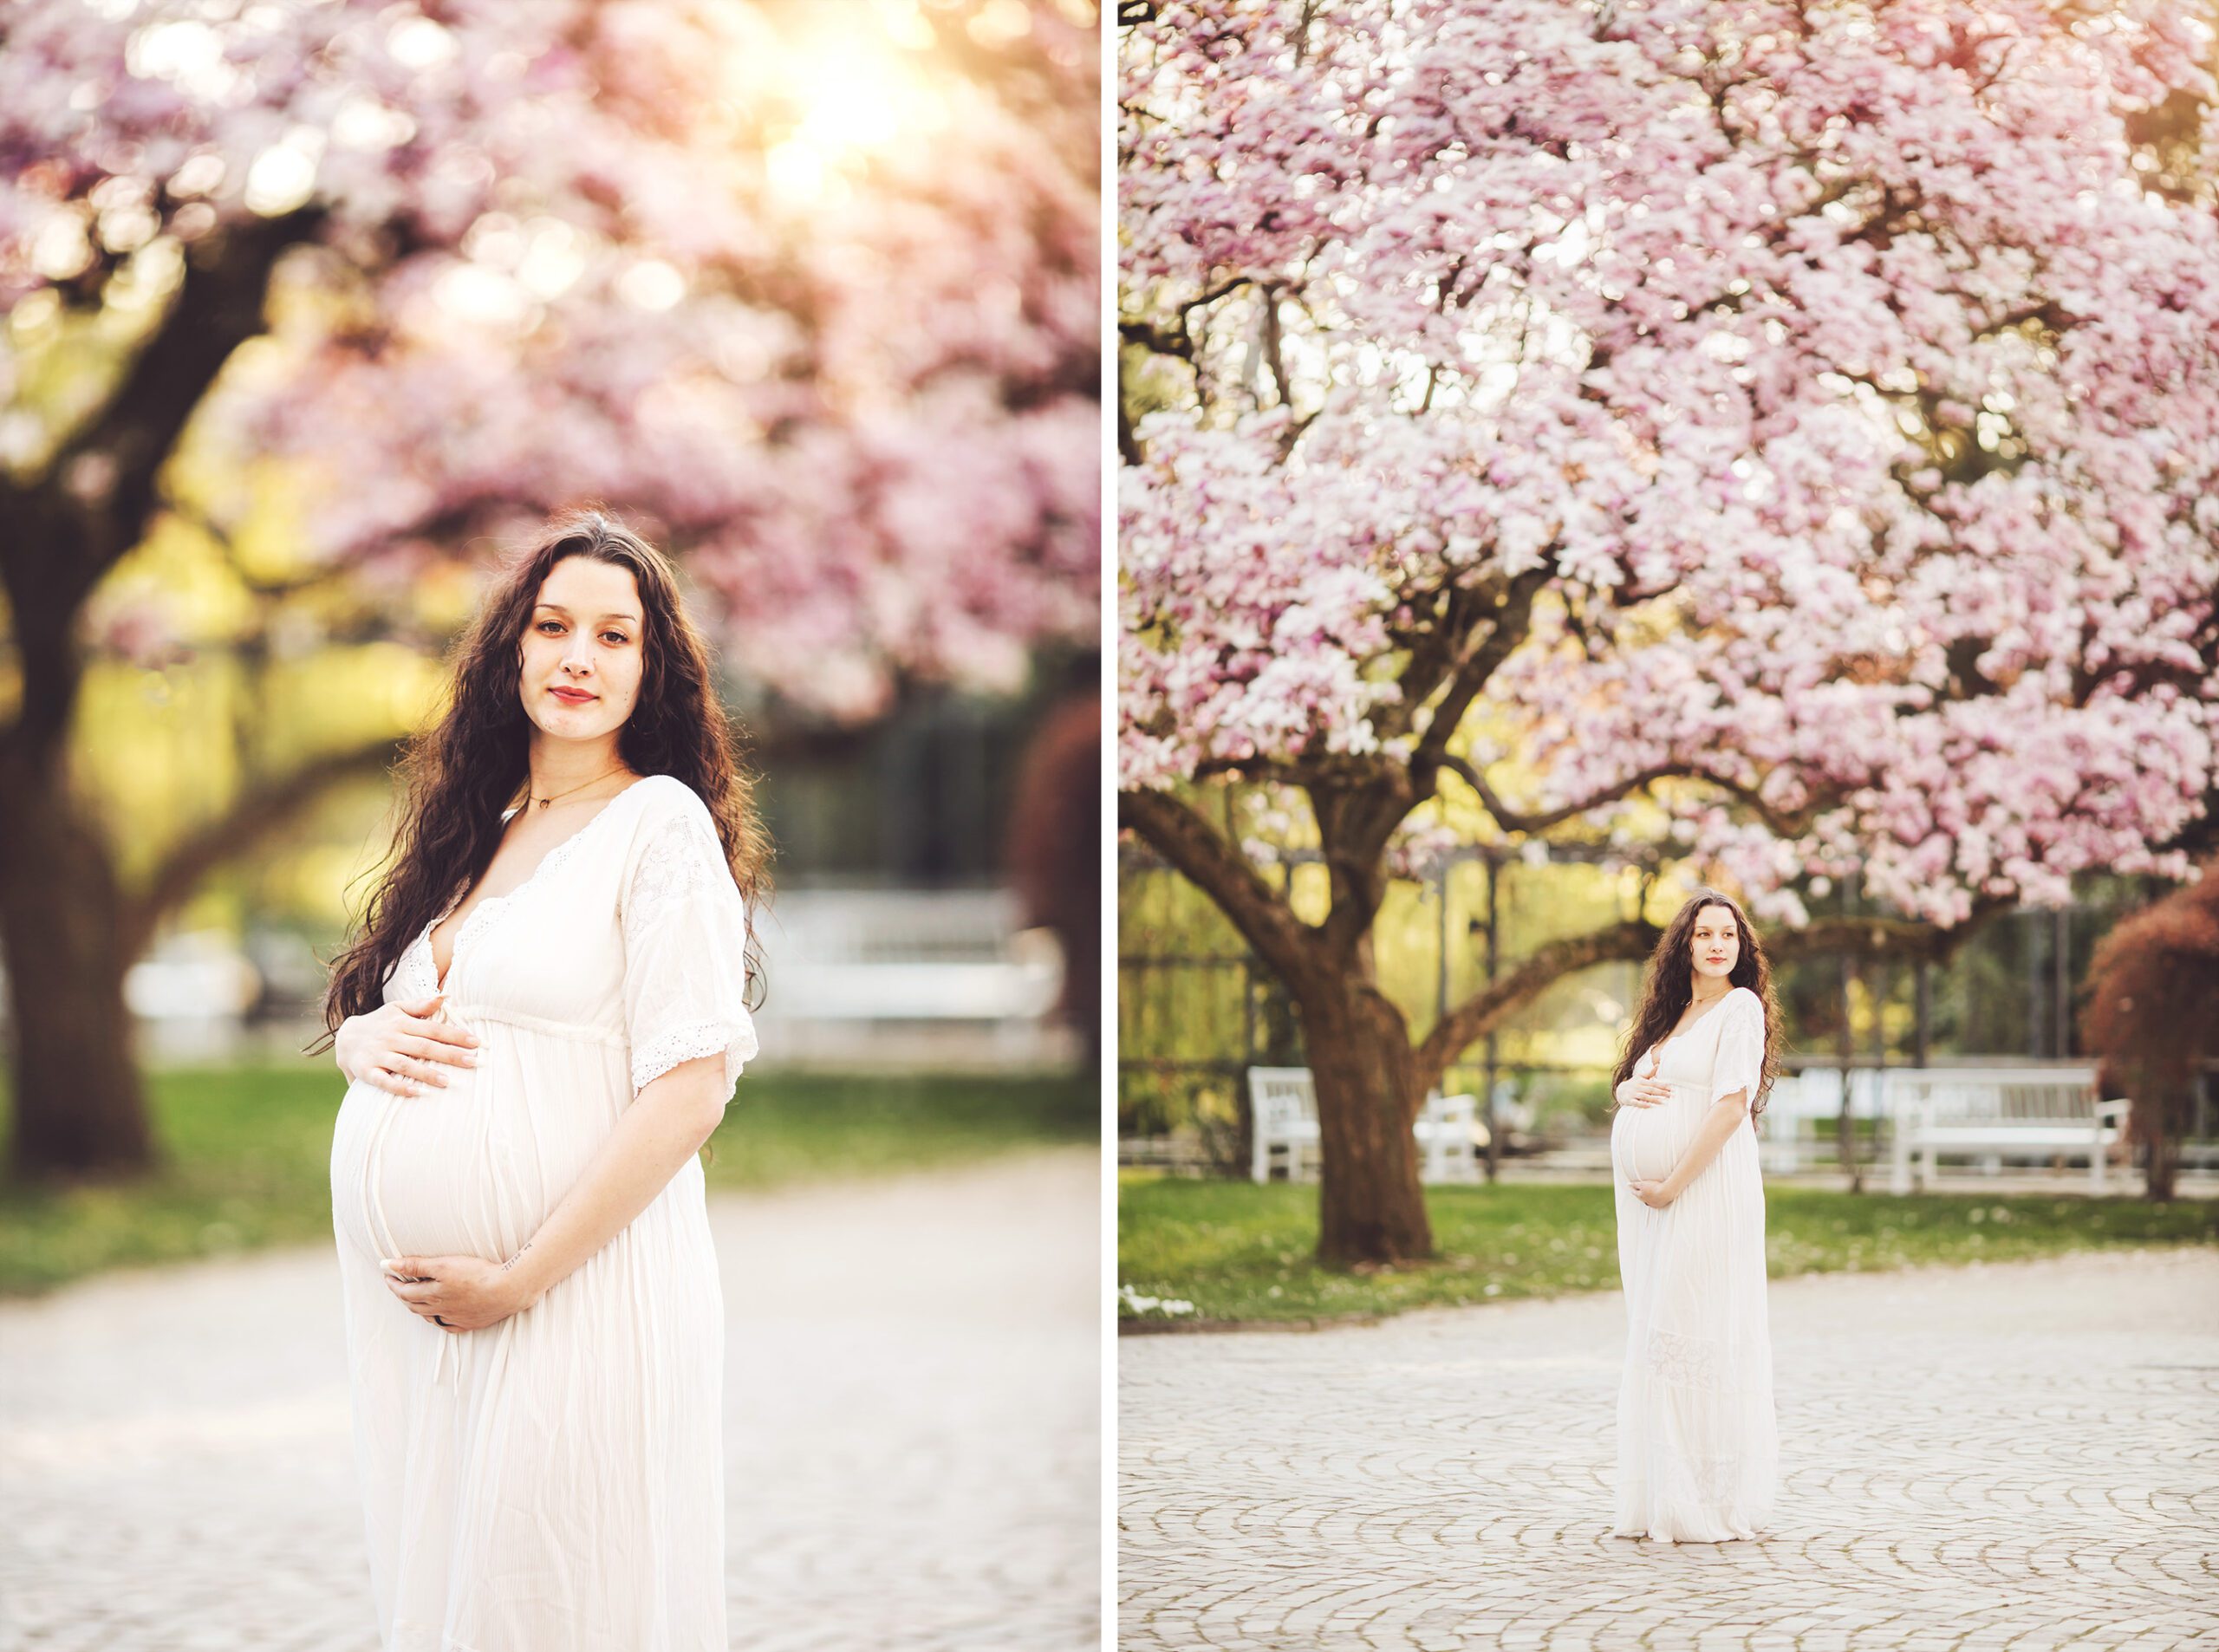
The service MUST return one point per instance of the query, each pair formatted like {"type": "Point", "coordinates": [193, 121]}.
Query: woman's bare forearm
{"type": "Point", "coordinates": [664, 1127]}
{"type": "Point", "coordinates": [1725, 1115]}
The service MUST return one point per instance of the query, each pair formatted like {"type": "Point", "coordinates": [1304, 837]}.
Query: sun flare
{"type": "Point", "coordinates": [853, 101]}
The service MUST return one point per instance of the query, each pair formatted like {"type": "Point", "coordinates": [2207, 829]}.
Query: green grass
{"type": "Point", "coordinates": [1240, 1253]}
{"type": "Point", "coordinates": [247, 1151]}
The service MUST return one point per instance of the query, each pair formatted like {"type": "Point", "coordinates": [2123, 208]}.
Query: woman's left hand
{"type": "Point", "coordinates": [1656, 1193]}
{"type": "Point", "coordinates": [456, 1292]}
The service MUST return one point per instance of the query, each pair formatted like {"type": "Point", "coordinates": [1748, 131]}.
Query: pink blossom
{"type": "Point", "coordinates": [1852, 374]}
{"type": "Point", "coordinates": [814, 306]}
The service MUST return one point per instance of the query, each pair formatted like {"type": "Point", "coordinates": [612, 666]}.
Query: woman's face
{"type": "Point", "coordinates": [1715, 944]}
{"type": "Point", "coordinates": [582, 656]}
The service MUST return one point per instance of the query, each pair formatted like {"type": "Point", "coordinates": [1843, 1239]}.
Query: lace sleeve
{"type": "Point", "coordinates": [684, 927]}
{"type": "Point", "coordinates": [1739, 1063]}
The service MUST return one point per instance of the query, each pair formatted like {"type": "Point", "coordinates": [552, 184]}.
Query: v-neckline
{"type": "Point", "coordinates": [1693, 1025]}
{"type": "Point", "coordinates": [462, 931]}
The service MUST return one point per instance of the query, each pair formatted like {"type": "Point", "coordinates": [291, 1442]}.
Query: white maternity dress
{"type": "Point", "coordinates": [1697, 1447]}
{"type": "Point", "coordinates": [554, 1482]}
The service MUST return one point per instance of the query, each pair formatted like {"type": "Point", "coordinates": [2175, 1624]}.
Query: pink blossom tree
{"type": "Point", "coordinates": [1781, 437]}
{"type": "Point", "coordinates": [810, 297]}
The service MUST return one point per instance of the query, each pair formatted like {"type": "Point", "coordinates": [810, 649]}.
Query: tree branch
{"type": "Point", "coordinates": [1481, 654]}
{"type": "Point", "coordinates": [1128, 442]}
{"type": "Point", "coordinates": [1431, 651]}
{"type": "Point", "coordinates": [1141, 331]}
{"type": "Point", "coordinates": [1161, 340]}
{"type": "Point", "coordinates": [318, 577]}
{"type": "Point", "coordinates": [62, 533]}
{"type": "Point", "coordinates": [1268, 341]}
{"type": "Point", "coordinates": [1898, 938]}
{"type": "Point", "coordinates": [1470, 1021]}
{"type": "Point", "coordinates": [255, 814]}
{"type": "Point", "coordinates": [1781, 822]}
{"type": "Point", "coordinates": [110, 466]}
{"type": "Point", "coordinates": [1633, 941]}
{"type": "Point", "coordinates": [1511, 820]}
{"type": "Point", "coordinates": [1201, 854]}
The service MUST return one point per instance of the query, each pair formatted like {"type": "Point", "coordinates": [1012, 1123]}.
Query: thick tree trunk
{"type": "Point", "coordinates": [78, 1110]}
{"type": "Point", "coordinates": [2159, 1125]}
{"type": "Point", "coordinates": [1371, 1206]}
{"type": "Point", "coordinates": [65, 928]}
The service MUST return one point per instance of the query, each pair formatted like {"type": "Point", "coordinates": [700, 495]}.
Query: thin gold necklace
{"type": "Point", "coordinates": [581, 786]}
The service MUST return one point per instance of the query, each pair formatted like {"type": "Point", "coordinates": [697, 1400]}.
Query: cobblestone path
{"type": "Point", "coordinates": [912, 1430]}
{"type": "Point", "coordinates": [2019, 1455]}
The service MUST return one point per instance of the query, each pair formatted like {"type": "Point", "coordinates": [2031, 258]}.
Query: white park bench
{"type": "Point", "coordinates": [906, 955]}
{"type": "Point", "coordinates": [1787, 1134]}
{"type": "Point", "coordinates": [851, 970]}
{"type": "Point", "coordinates": [2044, 1111]}
{"type": "Point", "coordinates": [1282, 1110]}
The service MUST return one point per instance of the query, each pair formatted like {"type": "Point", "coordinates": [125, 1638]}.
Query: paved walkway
{"type": "Point", "coordinates": [912, 1430]}
{"type": "Point", "coordinates": [2017, 1455]}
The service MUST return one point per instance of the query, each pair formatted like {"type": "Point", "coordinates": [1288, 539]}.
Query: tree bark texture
{"type": "Point", "coordinates": [78, 1107]}
{"type": "Point", "coordinates": [1371, 1206]}
{"type": "Point", "coordinates": [65, 927]}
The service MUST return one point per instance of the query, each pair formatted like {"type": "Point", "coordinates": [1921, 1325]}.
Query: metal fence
{"type": "Point", "coordinates": [1192, 1022]}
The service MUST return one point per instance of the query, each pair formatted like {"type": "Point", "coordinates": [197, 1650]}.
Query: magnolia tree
{"type": "Point", "coordinates": [811, 298]}
{"type": "Point", "coordinates": [1783, 438]}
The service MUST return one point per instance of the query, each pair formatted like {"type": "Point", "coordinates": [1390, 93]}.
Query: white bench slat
{"type": "Point", "coordinates": [2006, 1135]}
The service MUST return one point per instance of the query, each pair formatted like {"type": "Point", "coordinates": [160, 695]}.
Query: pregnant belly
{"type": "Point", "coordinates": [462, 1171]}
{"type": "Point", "coordinates": [1647, 1141]}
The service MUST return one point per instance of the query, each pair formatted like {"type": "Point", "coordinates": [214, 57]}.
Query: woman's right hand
{"type": "Point", "coordinates": [1643, 1092]}
{"type": "Point", "coordinates": [400, 1047]}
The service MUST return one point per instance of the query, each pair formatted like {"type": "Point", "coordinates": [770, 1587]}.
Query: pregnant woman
{"type": "Point", "coordinates": [541, 1023]}
{"type": "Point", "coordinates": [1698, 1452]}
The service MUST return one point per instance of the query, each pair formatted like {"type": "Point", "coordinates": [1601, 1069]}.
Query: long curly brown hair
{"type": "Point", "coordinates": [463, 771]}
{"type": "Point", "coordinates": [1670, 986]}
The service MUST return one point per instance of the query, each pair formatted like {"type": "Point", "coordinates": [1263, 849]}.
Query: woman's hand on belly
{"type": "Point", "coordinates": [1642, 1092]}
{"type": "Point", "coordinates": [458, 1292]}
{"type": "Point", "coordinates": [401, 1047]}
{"type": "Point", "coordinates": [1654, 1192]}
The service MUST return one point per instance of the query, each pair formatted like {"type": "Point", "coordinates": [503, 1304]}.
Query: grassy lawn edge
{"type": "Point", "coordinates": [1240, 1253]}
{"type": "Point", "coordinates": [246, 1156]}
